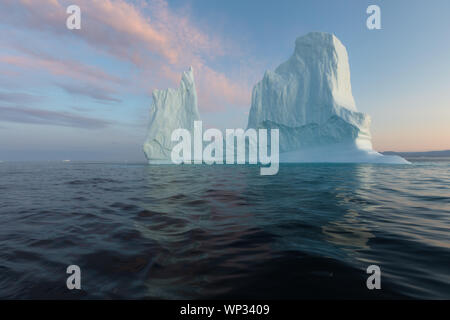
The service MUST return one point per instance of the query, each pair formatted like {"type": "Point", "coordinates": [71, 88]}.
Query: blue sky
{"type": "Point", "coordinates": [85, 94]}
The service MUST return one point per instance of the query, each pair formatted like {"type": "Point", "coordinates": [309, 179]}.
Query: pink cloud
{"type": "Point", "coordinates": [89, 81]}
{"type": "Point", "coordinates": [60, 67]}
{"type": "Point", "coordinates": [161, 44]}
{"type": "Point", "coordinates": [213, 85]}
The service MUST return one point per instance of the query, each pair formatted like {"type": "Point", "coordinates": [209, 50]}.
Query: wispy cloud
{"type": "Point", "coordinates": [91, 81]}
{"type": "Point", "coordinates": [97, 93]}
{"type": "Point", "coordinates": [59, 67]}
{"type": "Point", "coordinates": [151, 36]}
{"type": "Point", "coordinates": [19, 97]}
{"type": "Point", "coordinates": [47, 117]}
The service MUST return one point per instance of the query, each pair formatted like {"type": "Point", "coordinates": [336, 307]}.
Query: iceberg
{"type": "Point", "coordinates": [309, 99]}
{"type": "Point", "coordinates": [171, 109]}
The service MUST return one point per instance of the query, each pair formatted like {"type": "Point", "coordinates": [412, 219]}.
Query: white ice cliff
{"type": "Point", "coordinates": [171, 109]}
{"type": "Point", "coordinates": [309, 99]}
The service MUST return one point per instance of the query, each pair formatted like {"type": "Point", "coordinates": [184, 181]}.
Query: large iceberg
{"type": "Point", "coordinates": [171, 109]}
{"type": "Point", "coordinates": [309, 99]}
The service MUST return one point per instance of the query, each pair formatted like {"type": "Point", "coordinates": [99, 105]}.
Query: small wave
{"type": "Point", "coordinates": [91, 181]}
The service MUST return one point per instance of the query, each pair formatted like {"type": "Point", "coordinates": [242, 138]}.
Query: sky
{"type": "Point", "coordinates": [85, 94]}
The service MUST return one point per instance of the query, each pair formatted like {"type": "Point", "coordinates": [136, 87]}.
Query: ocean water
{"type": "Point", "coordinates": [211, 232]}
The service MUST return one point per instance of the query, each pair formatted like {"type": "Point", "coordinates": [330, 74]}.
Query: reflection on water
{"type": "Point", "coordinates": [348, 233]}
{"type": "Point", "coordinates": [140, 231]}
{"type": "Point", "coordinates": [351, 232]}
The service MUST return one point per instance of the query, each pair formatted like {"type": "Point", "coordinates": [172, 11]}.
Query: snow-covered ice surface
{"type": "Point", "coordinates": [171, 109]}
{"type": "Point", "coordinates": [309, 99]}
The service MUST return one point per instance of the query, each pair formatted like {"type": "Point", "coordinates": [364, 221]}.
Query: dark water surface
{"type": "Point", "coordinates": [167, 232]}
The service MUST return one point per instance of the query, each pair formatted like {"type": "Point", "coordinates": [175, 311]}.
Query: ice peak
{"type": "Point", "coordinates": [188, 75]}
{"type": "Point", "coordinates": [171, 109]}
{"type": "Point", "coordinates": [315, 39]}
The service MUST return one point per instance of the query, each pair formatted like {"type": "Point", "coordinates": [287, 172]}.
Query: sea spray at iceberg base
{"type": "Point", "coordinates": [308, 99]}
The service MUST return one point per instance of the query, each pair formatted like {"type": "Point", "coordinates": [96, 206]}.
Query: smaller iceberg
{"type": "Point", "coordinates": [171, 109]}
